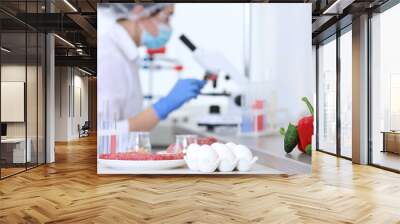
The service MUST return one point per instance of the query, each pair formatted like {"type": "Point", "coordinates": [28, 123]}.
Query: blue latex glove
{"type": "Point", "coordinates": [183, 91]}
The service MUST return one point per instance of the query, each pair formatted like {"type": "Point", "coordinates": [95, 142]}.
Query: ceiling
{"type": "Point", "coordinates": [75, 21]}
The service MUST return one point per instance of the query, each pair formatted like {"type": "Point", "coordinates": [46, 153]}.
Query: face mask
{"type": "Point", "coordinates": [159, 41]}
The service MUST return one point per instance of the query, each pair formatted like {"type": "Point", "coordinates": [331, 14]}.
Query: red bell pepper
{"type": "Point", "coordinates": [305, 127]}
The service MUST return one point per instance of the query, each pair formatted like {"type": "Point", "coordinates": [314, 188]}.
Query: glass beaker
{"type": "Point", "coordinates": [139, 142]}
{"type": "Point", "coordinates": [183, 141]}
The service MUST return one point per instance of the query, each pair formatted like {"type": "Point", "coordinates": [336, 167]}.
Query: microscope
{"type": "Point", "coordinates": [217, 67]}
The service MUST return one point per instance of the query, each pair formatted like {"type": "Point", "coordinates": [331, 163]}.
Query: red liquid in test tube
{"type": "Point", "coordinates": [113, 144]}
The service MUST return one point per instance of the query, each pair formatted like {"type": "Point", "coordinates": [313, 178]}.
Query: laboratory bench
{"type": "Point", "coordinates": [272, 159]}
{"type": "Point", "coordinates": [269, 149]}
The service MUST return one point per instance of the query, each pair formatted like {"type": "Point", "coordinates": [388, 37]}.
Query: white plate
{"type": "Point", "coordinates": [164, 152]}
{"type": "Point", "coordinates": [141, 164]}
{"type": "Point", "coordinates": [257, 169]}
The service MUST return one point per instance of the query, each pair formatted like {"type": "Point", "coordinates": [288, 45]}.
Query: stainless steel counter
{"type": "Point", "coordinates": [269, 149]}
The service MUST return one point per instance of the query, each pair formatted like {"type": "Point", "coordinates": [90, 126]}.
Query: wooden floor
{"type": "Point", "coordinates": [10, 171]}
{"type": "Point", "coordinates": [70, 191]}
{"type": "Point", "coordinates": [387, 159]}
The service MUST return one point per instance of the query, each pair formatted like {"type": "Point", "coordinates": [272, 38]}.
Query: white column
{"type": "Point", "coordinates": [50, 99]}
{"type": "Point", "coordinates": [360, 90]}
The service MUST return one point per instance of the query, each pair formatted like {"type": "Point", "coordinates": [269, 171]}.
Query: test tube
{"type": "Point", "coordinates": [106, 127]}
{"type": "Point", "coordinates": [100, 149]}
{"type": "Point", "coordinates": [113, 137]}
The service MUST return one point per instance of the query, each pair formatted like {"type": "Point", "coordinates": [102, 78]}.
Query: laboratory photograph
{"type": "Point", "coordinates": [123, 111]}
{"type": "Point", "coordinates": [201, 99]}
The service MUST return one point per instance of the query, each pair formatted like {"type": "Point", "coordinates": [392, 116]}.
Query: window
{"type": "Point", "coordinates": [333, 137]}
{"type": "Point", "coordinates": [22, 76]}
{"type": "Point", "coordinates": [346, 93]}
{"type": "Point", "coordinates": [327, 96]}
{"type": "Point", "coordinates": [385, 89]}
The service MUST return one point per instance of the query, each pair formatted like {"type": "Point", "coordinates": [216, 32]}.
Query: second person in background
{"type": "Point", "coordinates": [137, 24]}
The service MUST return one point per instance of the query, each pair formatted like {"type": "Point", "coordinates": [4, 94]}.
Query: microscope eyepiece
{"type": "Point", "coordinates": [187, 42]}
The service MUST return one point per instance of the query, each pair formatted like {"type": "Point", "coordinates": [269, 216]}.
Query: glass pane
{"type": "Point", "coordinates": [32, 89]}
{"type": "Point", "coordinates": [346, 94]}
{"type": "Point", "coordinates": [41, 99]}
{"type": "Point", "coordinates": [31, 98]}
{"type": "Point", "coordinates": [386, 89]}
{"type": "Point", "coordinates": [327, 97]}
{"type": "Point", "coordinates": [13, 87]}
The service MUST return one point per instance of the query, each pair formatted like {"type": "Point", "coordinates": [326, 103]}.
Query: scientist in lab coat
{"type": "Point", "coordinates": [119, 91]}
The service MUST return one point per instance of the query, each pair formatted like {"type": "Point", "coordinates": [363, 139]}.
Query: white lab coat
{"type": "Point", "coordinates": [118, 82]}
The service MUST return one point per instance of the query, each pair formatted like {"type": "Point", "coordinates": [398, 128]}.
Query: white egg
{"type": "Point", "coordinates": [245, 165]}
{"type": "Point", "coordinates": [206, 152]}
{"type": "Point", "coordinates": [192, 148]}
{"type": "Point", "coordinates": [208, 159]}
{"type": "Point", "coordinates": [227, 165]}
{"type": "Point", "coordinates": [191, 163]}
{"type": "Point", "coordinates": [223, 151]}
{"type": "Point", "coordinates": [216, 144]}
{"type": "Point", "coordinates": [242, 152]}
{"type": "Point", "coordinates": [230, 145]}
{"type": "Point", "coordinates": [227, 157]}
{"type": "Point", "coordinates": [206, 147]}
{"type": "Point", "coordinates": [191, 157]}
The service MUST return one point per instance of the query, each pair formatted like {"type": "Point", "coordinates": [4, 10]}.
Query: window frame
{"type": "Point", "coordinates": [27, 29]}
{"type": "Point", "coordinates": [379, 10]}
{"type": "Point", "coordinates": [334, 37]}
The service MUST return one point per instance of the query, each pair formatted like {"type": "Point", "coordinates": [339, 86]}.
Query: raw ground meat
{"type": "Point", "coordinates": [206, 141]}
{"type": "Point", "coordinates": [171, 148]}
{"type": "Point", "coordinates": [200, 141]}
{"type": "Point", "coordinates": [153, 156]}
{"type": "Point", "coordinates": [141, 156]}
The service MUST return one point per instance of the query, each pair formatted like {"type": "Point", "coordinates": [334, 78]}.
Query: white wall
{"type": "Point", "coordinates": [68, 82]}
{"type": "Point", "coordinates": [80, 83]}
{"type": "Point", "coordinates": [281, 50]}
{"type": "Point", "coordinates": [213, 26]}
{"type": "Point", "coordinates": [33, 126]}
{"type": "Point", "coordinates": [61, 103]}
{"type": "Point", "coordinates": [282, 53]}
{"type": "Point", "coordinates": [17, 73]}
